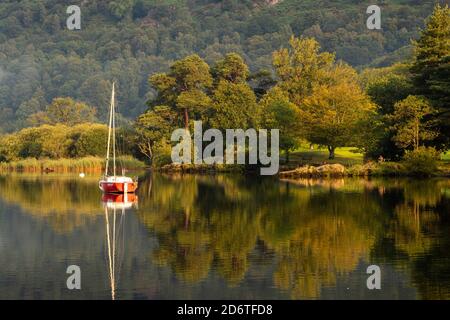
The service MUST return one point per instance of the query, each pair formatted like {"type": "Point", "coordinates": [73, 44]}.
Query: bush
{"type": "Point", "coordinates": [161, 154]}
{"type": "Point", "coordinates": [422, 162]}
{"type": "Point", "coordinates": [91, 140]}
{"type": "Point", "coordinates": [161, 160]}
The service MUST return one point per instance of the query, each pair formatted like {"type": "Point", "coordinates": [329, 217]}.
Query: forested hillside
{"type": "Point", "coordinates": [129, 40]}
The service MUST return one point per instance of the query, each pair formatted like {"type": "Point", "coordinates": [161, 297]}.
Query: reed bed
{"type": "Point", "coordinates": [86, 165]}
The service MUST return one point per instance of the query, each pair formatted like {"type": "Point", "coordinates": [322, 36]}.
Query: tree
{"type": "Point", "coordinates": [232, 68]}
{"type": "Point", "coordinates": [154, 33]}
{"type": "Point", "coordinates": [301, 67]}
{"type": "Point", "coordinates": [261, 82]}
{"type": "Point", "coordinates": [64, 111]}
{"type": "Point", "coordinates": [183, 88]}
{"type": "Point", "coordinates": [385, 87]}
{"type": "Point", "coordinates": [431, 66]}
{"type": "Point", "coordinates": [333, 112]}
{"type": "Point", "coordinates": [96, 91]}
{"type": "Point", "coordinates": [154, 128]}
{"type": "Point", "coordinates": [36, 104]}
{"type": "Point", "coordinates": [234, 106]}
{"type": "Point", "coordinates": [120, 8]}
{"type": "Point", "coordinates": [279, 113]}
{"type": "Point", "coordinates": [9, 147]}
{"type": "Point", "coordinates": [410, 124]}
{"type": "Point", "coordinates": [90, 140]}
{"type": "Point", "coordinates": [53, 141]}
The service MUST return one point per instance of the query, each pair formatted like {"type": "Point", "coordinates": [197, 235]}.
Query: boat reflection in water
{"type": "Point", "coordinates": [115, 206]}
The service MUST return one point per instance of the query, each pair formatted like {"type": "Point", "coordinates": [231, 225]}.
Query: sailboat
{"type": "Point", "coordinates": [115, 183]}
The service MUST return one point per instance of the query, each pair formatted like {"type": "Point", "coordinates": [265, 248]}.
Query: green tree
{"type": "Point", "coordinates": [36, 104]}
{"type": "Point", "coordinates": [90, 140]}
{"type": "Point", "coordinates": [232, 68]}
{"type": "Point", "coordinates": [410, 122]}
{"type": "Point", "coordinates": [234, 106]}
{"type": "Point", "coordinates": [64, 111]}
{"type": "Point", "coordinates": [279, 113]}
{"type": "Point", "coordinates": [431, 66]}
{"type": "Point", "coordinates": [154, 129]}
{"type": "Point", "coordinates": [120, 8]}
{"type": "Point", "coordinates": [385, 87]}
{"type": "Point", "coordinates": [183, 88]}
{"type": "Point", "coordinates": [96, 91]}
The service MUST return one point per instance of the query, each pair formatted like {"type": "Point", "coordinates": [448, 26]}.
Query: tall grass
{"type": "Point", "coordinates": [86, 164]}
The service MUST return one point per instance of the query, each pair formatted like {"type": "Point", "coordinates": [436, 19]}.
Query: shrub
{"type": "Point", "coordinates": [91, 141]}
{"type": "Point", "coordinates": [389, 169]}
{"type": "Point", "coordinates": [161, 154]}
{"type": "Point", "coordinates": [422, 161]}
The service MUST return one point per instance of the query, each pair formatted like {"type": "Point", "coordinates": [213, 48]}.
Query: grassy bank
{"type": "Point", "coordinates": [317, 156]}
{"type": "Point", "coordinates": [446, 157]}
{"type": "Point", "coordinates": [371, 169]}
{"type": "Point", "coordinates": [305, 163]}
{"type": "Point", "coordinates": [86, 164]}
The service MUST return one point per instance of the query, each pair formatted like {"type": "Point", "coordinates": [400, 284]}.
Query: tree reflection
{"type": "Point", "coordinates": [318, 230]}
{"type": "Point", "coordinates": [311, 232]}
{"type": "Point", "coordinates": [65, 202]}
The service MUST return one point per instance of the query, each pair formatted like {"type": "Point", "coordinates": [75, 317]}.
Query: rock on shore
{"type": "Point", "coordinates": [328, 170]}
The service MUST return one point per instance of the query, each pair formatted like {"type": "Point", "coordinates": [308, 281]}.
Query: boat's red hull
{"type": "Point", "coordinates": [118, 187]}
{"type": "Point", "coordinates": [119, 198]}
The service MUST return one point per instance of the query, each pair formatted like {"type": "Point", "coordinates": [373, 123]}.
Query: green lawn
{"type": "Point", "coordinates": [346, 156]}
{"type": "Point", "coordinates": [304, 155]}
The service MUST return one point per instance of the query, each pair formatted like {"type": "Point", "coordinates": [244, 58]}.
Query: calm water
{"type": "Point", "coordinates": [225, 237]}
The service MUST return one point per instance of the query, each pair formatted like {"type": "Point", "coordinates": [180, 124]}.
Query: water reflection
{"type": "Point", "coordinates": [235, 237]}
{"type": "Point", "coordinates": [116, 205]}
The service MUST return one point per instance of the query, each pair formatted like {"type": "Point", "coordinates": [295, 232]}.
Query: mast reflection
{"type": "Point", "coordinates": [115, 207]}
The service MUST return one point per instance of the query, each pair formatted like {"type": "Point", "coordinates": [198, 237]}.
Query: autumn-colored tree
{"type": "Point", "coordinates": [332, 113]}
{"type": "Point", "coordinates": [301, 67]}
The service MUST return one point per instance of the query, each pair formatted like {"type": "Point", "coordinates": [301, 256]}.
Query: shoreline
{"type": "Point", "coordinates": [308, 171]}
{"type": "Point", "coordinates": [66, 165]}
{"type": "Point", "coordinates": [385, 169]}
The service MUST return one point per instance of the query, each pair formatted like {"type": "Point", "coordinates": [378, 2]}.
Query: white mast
{"type": "Point", "coordinates": [114, 130]}
{"type": "Point", "coordinates": [111, 111]}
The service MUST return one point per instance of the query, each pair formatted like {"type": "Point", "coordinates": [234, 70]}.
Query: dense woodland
{"type": "Point", "coordinates": [129, 40]}
{"type": "Point", "coordinates": [313, 71]}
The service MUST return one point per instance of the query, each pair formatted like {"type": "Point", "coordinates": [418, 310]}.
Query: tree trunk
{"type": "Point", "coordinates": [416, 146]}
{"type": "Point", "coordinates": [331, 151]}
{"type": "Point", "coordinates": [186, 119]}
{"type": "Point", "coordinates": [287, 155]}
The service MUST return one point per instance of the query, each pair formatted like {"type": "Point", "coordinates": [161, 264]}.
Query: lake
{"type": "Point", "coordinates": [224, 237]}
